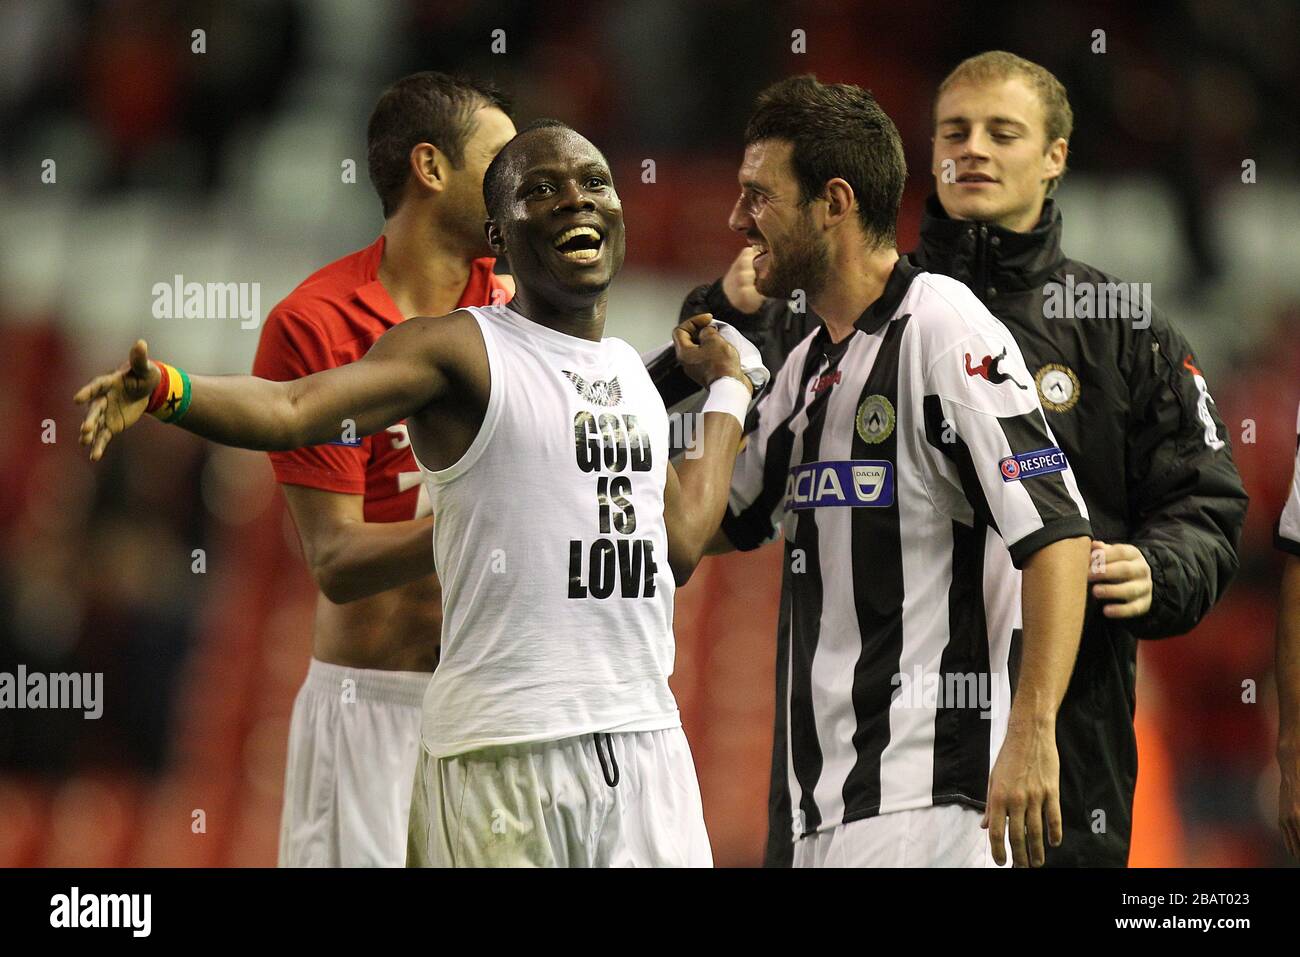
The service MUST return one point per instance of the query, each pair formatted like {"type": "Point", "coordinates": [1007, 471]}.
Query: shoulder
{"type": "Point", "coordinates": [325, 298]}
{"type": "Point", "coordinates": [455, 343]}
{"type": "Point", "coordinates": [355, 269]}
{"type": "Point", "coordinates": [1128, 305]}
{"type": "Point", "coordinates": [338, 278]}
{"type": "Point", "coordinates": [944, 312]}
{"type": "Point", "coordinates": [292, 340]}
{"type": "Point", "coordinates": [626, 361]}
{"type": "Point", "coordinates": [1081, 270]}
{"type": "Point", "coordinates": [965, 353]}
{"type": "Point", "coordinates": [621, 348]}
{"type": "Point", "coordinates": [1125, 310]}
{"type": "Point", "coordinates": [454, 326]}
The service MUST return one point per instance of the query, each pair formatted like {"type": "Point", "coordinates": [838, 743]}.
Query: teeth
{"type": "Point", "coordinates": [581, 255]}
{"type": "Point", "coordinates": [574, 232]}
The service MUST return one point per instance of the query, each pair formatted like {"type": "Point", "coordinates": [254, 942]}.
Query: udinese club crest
{"type": "Point", "coordinates": [1058, 387]}
{"type": "Point", "coordinates": [875, 420]}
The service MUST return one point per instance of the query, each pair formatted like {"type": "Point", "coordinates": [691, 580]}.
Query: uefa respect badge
{"type": "Point", "coordinates": [1024, 465]}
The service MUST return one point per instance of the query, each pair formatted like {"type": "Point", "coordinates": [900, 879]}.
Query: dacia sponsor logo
{"type": "Point", "coordinates": [1025, 465]}
{"type": "Point", "coordinates": [856, 483]}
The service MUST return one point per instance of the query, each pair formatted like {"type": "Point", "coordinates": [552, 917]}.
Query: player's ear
{"type": "Point", "coordinates": [429, 167]}
{"type": "Point", "coordinates": [1054, 160]}
{"type": "Point", "coordinates": [495, 238]}
{"type": "Point", "coordinates": [839, 200]}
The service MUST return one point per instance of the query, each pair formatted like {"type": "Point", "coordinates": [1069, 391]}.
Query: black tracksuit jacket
{"type": "Point", "coordinates": [1126, 400]}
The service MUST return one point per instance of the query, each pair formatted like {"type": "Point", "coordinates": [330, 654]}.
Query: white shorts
{"type": "Point", "coordinates": [628, 799]}
{"type": "Point", "coordinates": [353, 745]}
{"type": "Point", "coordinates": [946, 835]}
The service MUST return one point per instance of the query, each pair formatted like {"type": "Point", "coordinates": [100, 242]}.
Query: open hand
{"type": "Point", "coordinates": [116, 401]}
{"type": "Point", "coordinates": [1024, 797]}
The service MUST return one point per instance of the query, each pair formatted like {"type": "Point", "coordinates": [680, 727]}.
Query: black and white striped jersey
{"type": "Point", "coordinates": [1288, 526]}
{"type": "Point", "coordinates": [897, 463]}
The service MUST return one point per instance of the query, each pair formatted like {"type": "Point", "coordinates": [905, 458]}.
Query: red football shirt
{"type": "Point", "coordinates": [331, 319]}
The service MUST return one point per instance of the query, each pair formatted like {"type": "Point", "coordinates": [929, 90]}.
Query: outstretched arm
{"type": "Point", "coordinates": [405, 370]}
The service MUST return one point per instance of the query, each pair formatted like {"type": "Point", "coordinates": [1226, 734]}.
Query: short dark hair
{"type": "Point", "coordinates": [426, 107]}
{"type": "Point", "coordinates": [837, 130]}
{"type": "Point", "coordinates": [494, 185]}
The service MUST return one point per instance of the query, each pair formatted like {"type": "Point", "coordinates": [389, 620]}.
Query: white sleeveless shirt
{"type": "Point", "coordinates": [552, 551]}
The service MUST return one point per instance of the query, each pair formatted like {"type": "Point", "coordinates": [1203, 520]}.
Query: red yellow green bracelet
{"type": "Point", "coordinates": [170, 399]}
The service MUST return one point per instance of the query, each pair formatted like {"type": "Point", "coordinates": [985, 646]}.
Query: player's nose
{"type": "Point", "coordinates": [976, 145]}
{"type": "Point", "coordinates": [573, 196]}
{"type": "Point", "coordinates": [740, 220]}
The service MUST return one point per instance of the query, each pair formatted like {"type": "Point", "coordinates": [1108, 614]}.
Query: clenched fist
{"type": "Point", "coordinates": [704, 354]}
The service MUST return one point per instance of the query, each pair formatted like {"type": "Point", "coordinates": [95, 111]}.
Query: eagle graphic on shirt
{"type": "Point", "coordinates": [601, 392]}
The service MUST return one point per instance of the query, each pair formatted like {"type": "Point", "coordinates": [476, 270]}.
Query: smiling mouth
{"type": "Point", "coordinates": [579, 244]}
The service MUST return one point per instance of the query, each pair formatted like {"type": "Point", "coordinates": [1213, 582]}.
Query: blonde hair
{"type": "Point", "coordinates": [1001, 65]}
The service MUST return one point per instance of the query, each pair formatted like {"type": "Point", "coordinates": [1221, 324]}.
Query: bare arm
{"type": "Point", "coordinates": [1288, 703]}
{"type": "Point", "coordinates": [720, 544]}
{"type": "Point", "coordinates": [1053, 597]}
{"type": "Point", "coordinates": [351, 558]}
{"type": "Point", "coordinates": [405, 370]}
{"type": "Point", "coordinates": [1026, 781]}
{"type": "Point", "coordinates": [695, 495]}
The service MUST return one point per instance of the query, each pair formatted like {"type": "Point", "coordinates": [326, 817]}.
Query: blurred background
{"type": "Point", "coordinates": [226, 166]}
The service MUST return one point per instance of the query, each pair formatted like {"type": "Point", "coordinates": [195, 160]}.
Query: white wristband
{"type": "Point", "coordinates": [729, 395]}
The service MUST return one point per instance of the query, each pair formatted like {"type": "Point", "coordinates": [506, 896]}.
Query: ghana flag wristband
{"type": "Point", "coordinates": [170, 399]}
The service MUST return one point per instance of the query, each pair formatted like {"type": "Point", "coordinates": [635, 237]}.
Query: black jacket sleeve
{"type": "Point", "coordinates": [1187, 502]}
